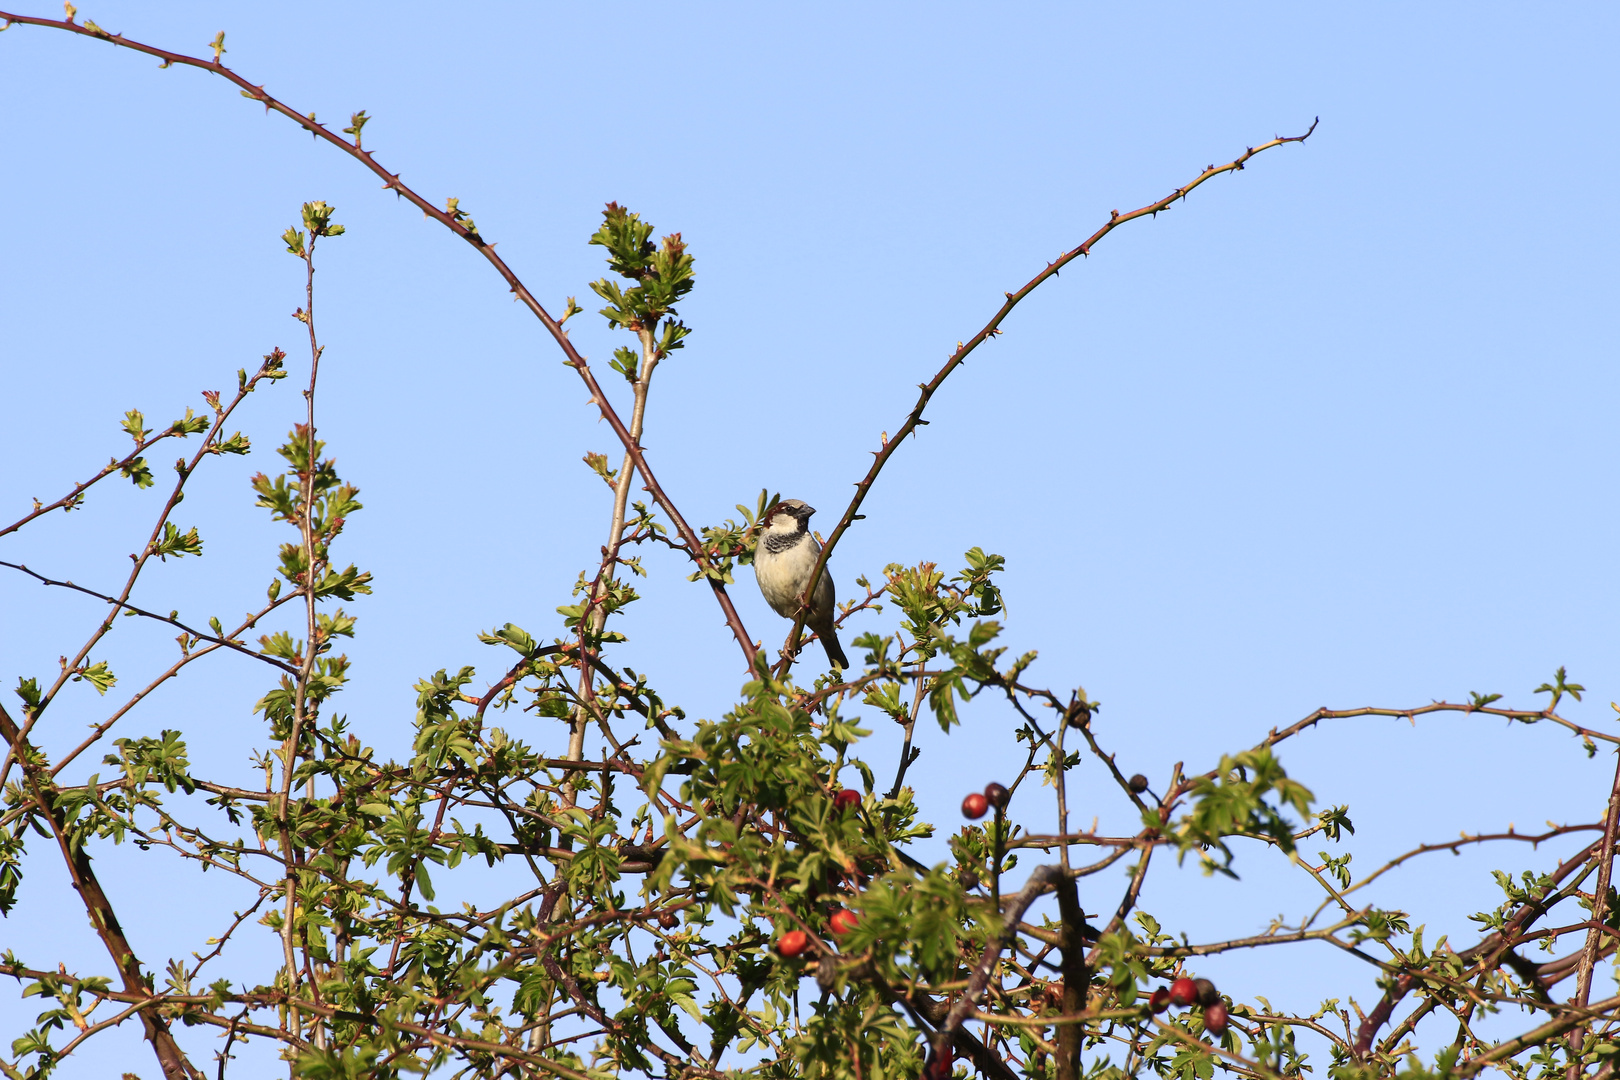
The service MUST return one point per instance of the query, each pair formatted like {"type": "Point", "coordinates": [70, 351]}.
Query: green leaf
{"type": "Point", "coordinates": [137, 471]}
{"type": "Point", "coordinates": [133, 421]}
{"type": "Point", "coordinates": [513, 637]}
{"type": "Point", "coordinates": [98, 675]}
{"type": "Point", "coordinates": [624, 362]}
{"type": "Point", "coordinates": [1558, 688]}
{"type": "Point", "coordinates": [344, 584]}
{"type": "Point", "coordinates": [357, 123]}
{"type": "Point", "coordinates": [318, 215]}
{"type": "Point", "coordinates": [176, 543]}
{"type": "Point", "coordinates": [190, 424]}
{"type": "Point", "coordinates": [237, 443]}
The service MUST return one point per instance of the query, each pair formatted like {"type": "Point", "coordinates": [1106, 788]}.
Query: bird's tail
{"type": "Point", "coordinates": [835, 651]}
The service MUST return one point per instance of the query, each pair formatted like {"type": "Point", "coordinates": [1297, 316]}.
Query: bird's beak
{"type": "Point", "coordinates": [809, 510]}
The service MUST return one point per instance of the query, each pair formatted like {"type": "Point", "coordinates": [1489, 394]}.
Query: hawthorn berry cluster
{"type": "Point", "coordinates": [793, 942]}
{"type": "Point", "coordinates": [976, 805]}
{"type": "Point", "coordinates": [1185, 992]}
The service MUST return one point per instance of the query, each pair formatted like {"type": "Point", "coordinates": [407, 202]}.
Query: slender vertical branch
{"type": "Point", "coordinates": [1594, 936]}
{"type": "Point", "coordinates": [306, 529]}
{"type": "Point", "coordinates": [1076, 980]}
{"type": "Point", "coordinates": [907, 754]}
{"type": "Point", "coordinates": [1060, 781]}
{"type": "Point", "coordinates": [596, 614]}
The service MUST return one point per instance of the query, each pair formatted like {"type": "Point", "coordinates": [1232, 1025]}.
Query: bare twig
{"type": "Point", "coordinates": [224, 642]}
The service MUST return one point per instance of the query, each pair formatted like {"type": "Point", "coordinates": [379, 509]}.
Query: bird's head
{"type": "Point", "coordinates": [789, 515]}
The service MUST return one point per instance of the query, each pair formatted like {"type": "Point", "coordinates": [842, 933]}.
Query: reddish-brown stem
{"type": "Point", "coordinates": [103, 918]}
{"type": "Point", "coordinates": [73, 498]}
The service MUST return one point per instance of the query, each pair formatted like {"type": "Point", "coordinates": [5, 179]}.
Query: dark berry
{"type": "Point", "coordinates": [997, 795]}
{"type": "Point", "coordinates": [1183, 992]}
{"type": "Point", "coordinates": [792, 943]}
{"type": "Point", "coordinates": [974, 806]}
{"type": "Point", "coordinates": [1207, 994]}
{"type": "Point", "coordinates": [667, 920]}
{"type": "Point", "coordinates": [969, 879]}
{"type": "Point", "coordinates": [1159, 1000]}
{"type": "Point", "coordinates": [1215, 1018]}
{"type": "Point", "coordinates": [1138, 783]}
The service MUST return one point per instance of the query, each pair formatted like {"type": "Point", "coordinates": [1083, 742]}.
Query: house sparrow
{"type": "Point", "coordinates": [783, 561]}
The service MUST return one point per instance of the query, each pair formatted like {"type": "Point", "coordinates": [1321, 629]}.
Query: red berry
{"type": "Point", "coordinates": [939, 1066]}
{"type": "Point", "coordinates": [792, 943]}
{"type": "Point", "coordinates": [997, 795]}
{"type": "Point", "coordinates": [1183, 992]}
{"type": "Point", "coordinates": [1159, 1000]}
{"type": "Point", "coordinates": [667, 920]}
{"type": "Point", "coordinates": [974, 806]}
{"type": "Point", "coordinates": [846, 800]}
{"type": "Point", "coordinates": [1215, 1018]}
{"type": "Point", "coordinates": [843, 921]}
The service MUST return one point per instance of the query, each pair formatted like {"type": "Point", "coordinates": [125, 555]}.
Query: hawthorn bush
{"type": "Point", "coordinates": [702, 896]}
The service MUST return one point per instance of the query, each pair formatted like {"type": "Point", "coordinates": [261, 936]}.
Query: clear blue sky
{"type": "Point", "coordinates": [1337, 431]}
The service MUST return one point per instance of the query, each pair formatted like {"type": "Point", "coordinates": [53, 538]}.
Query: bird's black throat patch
{"type": "Point", "coordinates": [776, 543]}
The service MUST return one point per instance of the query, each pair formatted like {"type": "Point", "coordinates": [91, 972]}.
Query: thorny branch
{"type": "Point", "coordinates": [990, 330]}
{"type": "Point", "coordinates": [453, 221]}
